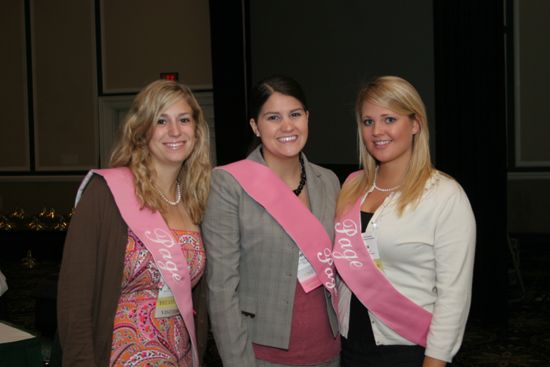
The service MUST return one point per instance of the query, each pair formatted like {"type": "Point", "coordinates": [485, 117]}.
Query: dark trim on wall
{"type": "Point", "coordinates": [98, 53]}
{"type": "Point", "coordinates": [30, 88]}
{"type": "Point", "coordinates": [511, 160]}
{"type": "Point", "coordinates": [510, 83]}
{"type": "Point", "coordinates": [41, 173]}
{"type": "Point", "coordinates": [533, 239]}
{"type": "Point", "coordinates": [248, 49]}
{"type": "Point", "coordinates": [98, 66]}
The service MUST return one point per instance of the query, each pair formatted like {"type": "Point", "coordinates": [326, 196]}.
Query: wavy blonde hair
{"type": "Point", "coordinates": [132, 148]}
{"type": "Point", "coordinates": [398, 95]}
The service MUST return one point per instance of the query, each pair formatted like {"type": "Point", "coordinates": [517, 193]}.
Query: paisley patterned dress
{"type": "Point", "coordinates": [139, 338]}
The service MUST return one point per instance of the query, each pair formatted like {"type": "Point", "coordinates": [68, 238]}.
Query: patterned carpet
{"type": "Point", "coordinates": [523, 342]}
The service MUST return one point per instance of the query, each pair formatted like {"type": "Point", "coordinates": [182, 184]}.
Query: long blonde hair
{"type": "Point", "coordinates": [132, 148]}
{"type": "Point", "coordinates": [398, 95]}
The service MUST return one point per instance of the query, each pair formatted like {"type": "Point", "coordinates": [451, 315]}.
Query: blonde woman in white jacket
{"type": "Point", "coordinates": [405, 240]}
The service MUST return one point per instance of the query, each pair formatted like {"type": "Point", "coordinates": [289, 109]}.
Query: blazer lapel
{"type": "Point", "coordinates": [315, 191]}
{"type": "Point", "coordinates": [314, 186]}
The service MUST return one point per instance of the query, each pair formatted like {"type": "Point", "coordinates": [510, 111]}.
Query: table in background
{"type": "Point", "coordinates": [18, 348]}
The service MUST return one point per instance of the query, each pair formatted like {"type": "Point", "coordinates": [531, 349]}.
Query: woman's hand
{"type": "Point", "coordinates": [432, 362]}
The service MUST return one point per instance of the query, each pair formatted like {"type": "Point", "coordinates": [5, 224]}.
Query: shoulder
{"type": "Point", "coordinates": [325, 175]}
{"type": "Point", "coordinates": [95, 196]}
{"type": "Point", "coordinates": [221, 176]}
{"type": "Point", "coordinates": [97, 208]}
{"type": "Point", "coordinates": [352, 179]}
{"type": "Point", "coordinates": [96, 181]}
{"type": "Point", "coordinates": [224, 187]}
{"type": "Point", "coordinates": [97, 188]}
{"type": "Point", "coordinates": [443, 185]}
{"type": "Point", "coordinates": [445, 194]}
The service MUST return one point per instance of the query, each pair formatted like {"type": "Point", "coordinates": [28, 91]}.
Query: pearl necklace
{"type": "Point", "coordinates": [381, 189]}
{"type": "Point", "coordinates": [385, 190]}
{"type": "Point", "coordinates": [178, 195]}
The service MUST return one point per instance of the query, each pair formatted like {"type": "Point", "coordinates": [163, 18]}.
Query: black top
{"type": "Point", "coordinates": [360, 329]}
{"type": "Point", "coordinates": [359, 349]}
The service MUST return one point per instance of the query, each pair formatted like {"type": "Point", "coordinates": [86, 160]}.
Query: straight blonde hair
{"type": "Point", "coordinates": [399, 96]}
{"type": "Point", "coordinates": [132, 148]}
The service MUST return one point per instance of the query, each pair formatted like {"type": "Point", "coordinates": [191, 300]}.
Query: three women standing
{"type": "Point", "coordinates": [404, 244]}
{"type": "Point", "coordinates": [133, 252]}
{"type": "Point", "coordinates": [268, 233]}
{"type": "Point", "coordinates": [405, 237]}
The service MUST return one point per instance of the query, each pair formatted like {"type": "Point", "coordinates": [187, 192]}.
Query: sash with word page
{"type": "Point", "coordinates": [152, 230]}
{"type": "Point", "coordinates": [360, 273]}
{"type": "Point", "coordinates": [315, 266]}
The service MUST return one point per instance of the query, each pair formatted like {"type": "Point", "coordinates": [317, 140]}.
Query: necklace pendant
{"type": "Point", "coordinates": [303, 179]}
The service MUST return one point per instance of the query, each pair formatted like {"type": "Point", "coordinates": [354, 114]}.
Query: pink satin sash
{"type": "Point", "coordinates": [369, 284]}
{"type": "Point", "coordinates": [152, 230]}
{"type": "Point", "coordinates": [268, 190]}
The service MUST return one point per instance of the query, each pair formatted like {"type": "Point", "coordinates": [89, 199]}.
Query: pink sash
{"type": "Point", "coordinates": [268, 190]}
{"type": "Point", "coordinates": [152, 230]}
{"type": "Point", "coordinates": [372, 288]}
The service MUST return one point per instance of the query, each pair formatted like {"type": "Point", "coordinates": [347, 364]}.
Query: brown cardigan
{"type": "Point", "coordinates": [90, 279]}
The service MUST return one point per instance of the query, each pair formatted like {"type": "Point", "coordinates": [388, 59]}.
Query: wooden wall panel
{"type": "Point", "coordinates": [33, 193]}
{"type": "Point", "coordinates": [528, 202]}
{"type": "Point", "coordinates": [65, 93]}
{"type": "Point", "coordinates": [140, 39]}
{"type": "Point", "coordinates": [14, 139]}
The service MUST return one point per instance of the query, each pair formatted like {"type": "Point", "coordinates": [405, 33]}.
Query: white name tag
{"type": "Point", "coordinates": [372, 247]}
{"type": "Point", "coordinates": [306, 274]}
{"type": "Point", "coordinates": [166, 303]}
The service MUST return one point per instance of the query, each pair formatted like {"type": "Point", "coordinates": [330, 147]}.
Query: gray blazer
{"type": "Point", "coordinates": [252, 264]}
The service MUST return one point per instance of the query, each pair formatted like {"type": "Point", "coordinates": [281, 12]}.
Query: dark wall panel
{"type": "Point", "coordinates": [14, 140]}
{"type": "Point", "coordinates": [332, 48]}
{"type": "Point", "coordinates": [64, 74]}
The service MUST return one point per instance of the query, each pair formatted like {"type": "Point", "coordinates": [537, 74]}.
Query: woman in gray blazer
{"type": "Point", "coordinates": [268, 232]}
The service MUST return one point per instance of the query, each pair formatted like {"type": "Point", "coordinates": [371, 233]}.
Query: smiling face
{"type": "Point", "coordinates": [173, 136]}
{"type": "Point", "coordinates": [282, 125]}
{"type": "Point", "coordinates": [388, 136]}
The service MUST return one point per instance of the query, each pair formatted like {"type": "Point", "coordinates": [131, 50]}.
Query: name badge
{"type": "Point", "coordinates": [369, 239]}
{"type": "Point", "coordinates": [306, 274]}
{"type": "Point", "coordinates": [166, 303]}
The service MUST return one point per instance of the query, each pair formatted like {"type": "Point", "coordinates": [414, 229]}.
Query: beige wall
{"type": "Point", "coordinates": [72, 72]}
{"type": "Point", "coordinates": [64, 85]}
{"type": "Point", "coordinates": [142, 38]}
